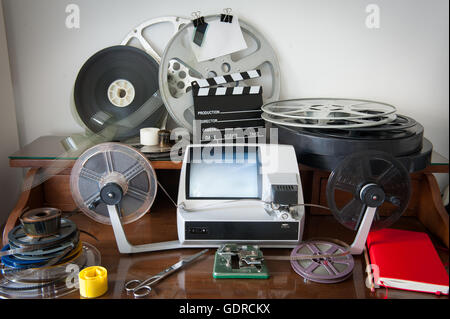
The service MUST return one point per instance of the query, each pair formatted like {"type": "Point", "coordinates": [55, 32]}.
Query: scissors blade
{"type": "Point", "coordinates": [181, 264]}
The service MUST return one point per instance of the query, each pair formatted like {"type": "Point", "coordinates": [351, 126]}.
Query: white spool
{"type": "Point", "coordinates": [121, 93]}
{"type": "Point", "coordinates": [149, 136]}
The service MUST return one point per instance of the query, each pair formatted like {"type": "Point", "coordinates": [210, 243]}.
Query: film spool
{"type": "Point", "coordinates": [39, 273]}
{"type": "Point", "coordinates": [179, 67]}
{"type": "Point", "coordinates": [47, 283]}
{"type": "Point", "coordinates": [322, 269]}
{"type": "Point", "coordinates": [19, 238]}
{"type": "Point", "coordinates": [354, 174]}
{"type": "Point", "coordinates": [115, 83]}
{"type": "Point", "coordinates": [119, 164]}
{"type": "Point", "coordinates": [350, 123]}
{"type": "Point", "coordinates": [41, 222]}
{"type": "Point", "coordinates": [328, 109]}
{"type": "Point", "coordinates": [93, 281]}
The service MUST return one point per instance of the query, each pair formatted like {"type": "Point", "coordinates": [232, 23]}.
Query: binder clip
{"type": "Point", "coordinates": [226, 16]}
{"type": "Point", "coordinates": [200, 28]}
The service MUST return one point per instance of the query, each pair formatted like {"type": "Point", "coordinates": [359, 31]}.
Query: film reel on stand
{"type": "Point", "coordinates": [375, 183]}
{"type": "Point", "coordinates": [107, 164]}
{"type": "Point", "coordinates": [115, 184]}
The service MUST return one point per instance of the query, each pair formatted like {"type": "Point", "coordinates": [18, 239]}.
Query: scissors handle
{"type": "Point", "coordinates": [145, 290]}
{"type": "Point", "coordinates": [136, 284]}
{"type": "Point", "coordinates": [132, 285]}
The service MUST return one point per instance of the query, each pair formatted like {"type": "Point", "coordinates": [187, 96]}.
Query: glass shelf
{"type": "Point", "coordinates": [51, 148]}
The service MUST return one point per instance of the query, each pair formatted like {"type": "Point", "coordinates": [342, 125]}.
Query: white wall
{"type": "Point", "coordinates": [10, 178]}
{"type": "Point", "coordinates": [324, 49]}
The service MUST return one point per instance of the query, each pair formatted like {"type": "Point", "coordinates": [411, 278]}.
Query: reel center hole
{"type": "Point", "coordinates": [121, 93]}
{"type": "Point", "coordinates": [321, 260]}
{"type": "Point", "coordinates": [42, 214]}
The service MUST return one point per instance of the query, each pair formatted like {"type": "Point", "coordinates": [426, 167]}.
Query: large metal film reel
{"type": "Point", "coordinates": [350, 123]}
{"type": "Point", "coordinates": [360, 171]}
{"type": "Point", "coordinates": [328, 109]}
{"type": "Point", "coordinates": [113, 163]}
{"type": "Point", "coordinates": [328, 113]}
{"type": "Point", "coordinates": [140, 34]}
{"type": "Point", "coordinates": [179, 67]}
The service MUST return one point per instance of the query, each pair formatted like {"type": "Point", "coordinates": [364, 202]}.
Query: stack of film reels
{"type": "Point", "coordinates": [43, 256]}
{"type": "Point", "coordinates": [325, 130]}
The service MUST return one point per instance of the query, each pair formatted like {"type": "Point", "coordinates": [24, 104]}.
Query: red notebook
{"type": "Point", "coordinates": [406, 260]}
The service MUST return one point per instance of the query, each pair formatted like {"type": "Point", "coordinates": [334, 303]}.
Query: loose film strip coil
{"type": "Point", "coordinates": [41, 222]}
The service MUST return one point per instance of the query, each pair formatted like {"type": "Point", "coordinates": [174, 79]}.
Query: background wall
{"type": "Point", "coordinates": [9, 141]}
{"type": "Point", "coordinates": [324, 48]}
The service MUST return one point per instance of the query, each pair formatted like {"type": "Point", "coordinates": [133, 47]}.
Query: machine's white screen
{"type": "Point", "coordinates": [224, 180]}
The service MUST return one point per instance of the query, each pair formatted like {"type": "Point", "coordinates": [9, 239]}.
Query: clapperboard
{"type": "Point", "coordinates": [219, 108]}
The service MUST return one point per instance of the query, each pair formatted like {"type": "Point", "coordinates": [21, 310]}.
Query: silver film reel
{"type": "Point", "coordinates": [179, 67]}
{"type": "Point", "coordinates": [113, 163]}
{"type": "Point", "coordinates": [140, 35]}
{"type": "Point", "coordinates": [329, 113]}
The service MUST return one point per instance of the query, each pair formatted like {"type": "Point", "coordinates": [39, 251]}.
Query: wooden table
{"type": "Point", "coordinates": [196, 281]}
{"type": "Point", "coordinates": [425, 213]}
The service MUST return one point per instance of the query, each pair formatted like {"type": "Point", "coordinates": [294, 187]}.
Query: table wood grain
{"type": "Point", "coordinates": [196, 280]}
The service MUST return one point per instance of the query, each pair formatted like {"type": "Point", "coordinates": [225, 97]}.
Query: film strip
{"type": "Point", "coordinates": [228, 113]}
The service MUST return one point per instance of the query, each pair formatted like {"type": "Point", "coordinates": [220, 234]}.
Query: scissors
{"type": "Point", "coordinates": [143, 288]}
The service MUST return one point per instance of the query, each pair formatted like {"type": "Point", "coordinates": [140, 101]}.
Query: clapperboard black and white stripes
{"type": "Point", "coordinates": [229, 78]}
{"type": "Point", "coordinates": [221, 108]}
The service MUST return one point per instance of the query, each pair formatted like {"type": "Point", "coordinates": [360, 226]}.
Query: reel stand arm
{"type": "Point", "coordinates": [124, 245]}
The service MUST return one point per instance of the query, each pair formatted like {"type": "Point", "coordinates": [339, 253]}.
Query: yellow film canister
{"type": "Point", "coordinates": [93, 281]}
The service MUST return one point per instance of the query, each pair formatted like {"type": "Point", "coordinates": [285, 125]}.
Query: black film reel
{"type": "Point", "coordinates": [360, 170]}
{"type": "Point", "coordinates": [113, 84]}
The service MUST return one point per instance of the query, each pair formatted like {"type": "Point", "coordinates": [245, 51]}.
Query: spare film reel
{"type": "Point", "coordinates": [41, 222]}
{"type": "Point", "coordinates": [329, 269]}
{"type": "Point", "coordinates": [112, 85]}
{"type": "Point", "coordinates": [113, 163]}
{"type": "Point", "coordinates": [48, 282]}
{"type": "Point", "coordinates": [68, 232]}
{"type": "Point", "coordinates": [36, 266]}
{"type": "Point", "coordinates": [336, 142]}
{"type": "Point", "coordinates": [121, 92]}
{"type": "Point", "coordinates": [322, 113]}
{"type": "Point", "coordinates": [358, 172]}
{"type": "Point", "coordinates": [179, 67]}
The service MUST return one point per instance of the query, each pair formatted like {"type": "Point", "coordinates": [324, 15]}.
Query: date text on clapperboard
{"type": "Point", "coordinates": [218, 108]}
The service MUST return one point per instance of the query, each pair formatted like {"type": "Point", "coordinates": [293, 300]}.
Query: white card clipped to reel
{"type": "Point", "coordinates": [373, 181]}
